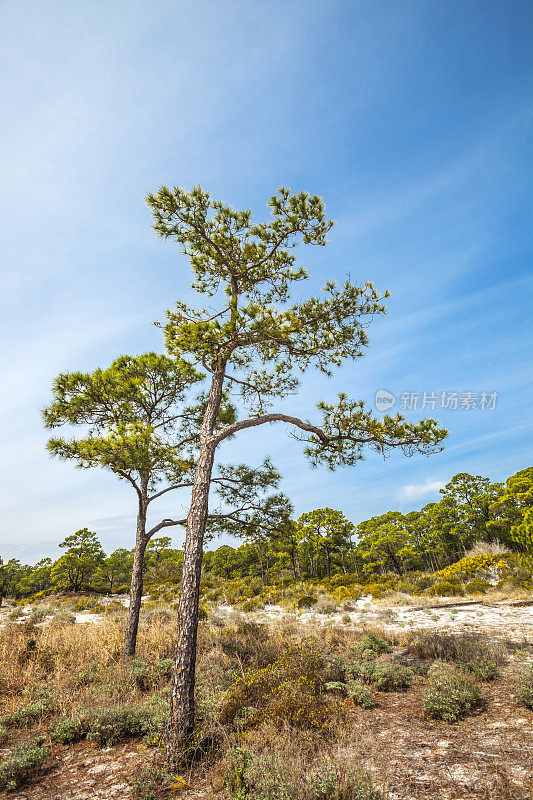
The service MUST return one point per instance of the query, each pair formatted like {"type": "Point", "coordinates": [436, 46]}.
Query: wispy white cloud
{"type": "Point", "coordinates": [417, 491]}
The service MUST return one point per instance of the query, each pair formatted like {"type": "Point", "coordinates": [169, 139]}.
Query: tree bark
{"type": "Point", "coordinates": [136, 588]}
{"type": "Point", "coordinates": [182, 711]}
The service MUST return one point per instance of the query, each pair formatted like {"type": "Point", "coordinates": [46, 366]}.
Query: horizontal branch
{"type": "Point", "coordinates": [263, 419]}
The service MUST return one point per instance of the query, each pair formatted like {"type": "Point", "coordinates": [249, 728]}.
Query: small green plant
{"type": "Point", "coordinates": [151, 783]}
{"type": "Point", "coordinates": [361, 695]}
{"type": "Point", "coordinates": [525, 688]}
{"type": "Point", "coordinates": [140, 674]}
{"type": "Point", "coordinates": [372, 643]}
{"type": "Point", "coordinates": [113, 725]}
{"type": "Point", "coordinates": [88, 676]}
{"type": "Point", "coordinates": [451, 692]}
{"type": "Point", "coordinates": [22, 763]}
{"type": "Point", "coordinates": [484, 669]}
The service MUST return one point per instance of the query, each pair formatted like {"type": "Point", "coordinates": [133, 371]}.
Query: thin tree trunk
{"type": "Point", "coordinates": [136, 587]}
{"type": "Point", "coordinates": [182, 711]}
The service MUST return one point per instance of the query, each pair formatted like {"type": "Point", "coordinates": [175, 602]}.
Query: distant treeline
{"type": "Point", "coordinates": [319, 545]}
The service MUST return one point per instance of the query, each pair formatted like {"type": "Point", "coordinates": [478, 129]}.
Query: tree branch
{"type": "Point", "coordinates": [263, 419]}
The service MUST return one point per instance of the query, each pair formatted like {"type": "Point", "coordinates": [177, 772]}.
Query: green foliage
{"type": "Point", "coordinates": [445, 589]}
{"type": "Point", "coordinates": [152, 783]}
{"type": "Point", "coordinates": [370, 642]}
{"type": "Point", "coordinates": [68, 730]}
{"type": "Point", "coordinates": [525, 688]}
{"type": "Point", "coordinates": [288, 690]}
{"type": "Point", "coordinates": [22, 763]}
{"type": "Point", "coordinates": [83, 556]}
{"type": "Point", "coordinates": [306, 601]}
{"type": "Point", "coordinates": [484, 669]}
{"type": "Point", "coordinates": [451, 692]}
{"type": "Point", "coordinates": [361, 695]}
{"type": "Point", "coordinates": [27, 714]}
{"type": "Point", "coordinates": [113, 725]}
{"type": "Point", "coordinates": [265, 777]}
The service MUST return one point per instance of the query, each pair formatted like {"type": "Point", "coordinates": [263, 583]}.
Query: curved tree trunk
{"type": "Point", "coordinates": [182, 711]}
{"type": "Point", "coordinates": [136, 588]}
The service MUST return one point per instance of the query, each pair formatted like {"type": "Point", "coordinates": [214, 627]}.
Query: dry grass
{"type": "Point", "coordinates": [79, 667]}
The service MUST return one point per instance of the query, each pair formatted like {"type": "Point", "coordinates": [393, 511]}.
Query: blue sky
{"type": "Point", "coordinates": [411, 119]}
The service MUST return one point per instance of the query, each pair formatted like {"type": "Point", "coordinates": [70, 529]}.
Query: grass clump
{"type": "Point", "coordinates": [22, 763]}
{"type": "Point", "coordinates": [451, 692]}
{"type": "Point", "coordinates": [525, 688]}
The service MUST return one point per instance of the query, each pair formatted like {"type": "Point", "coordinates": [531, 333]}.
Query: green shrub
{"type": "Point", "coordinates": [28, 714]}
{"type": "Point", "coordinates": [266, 777]}
{"type": "Point", "coordinates": [4, 736]}
{"type": "Point", "coordinates": [361, 695]}
{"type": "Point", "coordinates": [87, 676]}
{"type": "Point", "coordinates": [71, 729]}
{"type": "Point", "coordinates": [21, 763]}
{"type": "Point", "coordinates": [390, 677]}
{"type": "Point", "coordinates": [484, 669]}
{"type": "Point", "coordinates": [164, 669]}
{"type": "Point", "coordinates": [477, 586]}
{"type": "Point", "coordinates": [451, 692]}
{"type": "Point", "coordinates": [525, 688]}
{"type": "Point", "coordinates": [372, 643]}
{"type": "Point", "coordinates": [140, 674]}
{"type": "Point", "coordinates": [445, 589]}
{"type": "Point", "coordinates": [289, 690]}
{"type": "Point", "coordinates": [113, 725]}
{"type": "Point", "coordinates": [306, 601]}
{"type": "Point", "coordinates": [151, 783]}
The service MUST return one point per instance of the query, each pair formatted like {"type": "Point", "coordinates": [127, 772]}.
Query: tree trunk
{"type": "Point", "coordinates": [182, 716]}
{"type": "Point", "coordinates": [136, 588]}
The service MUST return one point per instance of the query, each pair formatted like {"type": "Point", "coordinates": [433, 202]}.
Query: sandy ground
{"type": "Point", "coordinates": [502, 619]}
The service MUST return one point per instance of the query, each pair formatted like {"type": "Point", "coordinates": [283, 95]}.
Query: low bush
{"type": "Point", "coordinates": [445, 589]}
{"type": "Point", "coordinates": [477, 586]}
{"type": "Point", "coordinates": [268, 777]}
{"type": "Point", "coordinates": [151, 783]}
{"type": "Point", "coordinates": [28, 714]}
{"type": "Point", "coordinates": [484, 669]}
{"type": "Point", "coordinates": [68, 730]}
{"type": "Point", "coordinates": [113, 725]}
{"type": "Point", "coordinates": [306, 601]}
{"type": "Point", "coordinates": [22, 763]}
{"type": "Point", "coordinates": [361, 695]}
{"type": "Point", "coordinates": [370, 642]}
{"type": "Point", "coordinates": [451, 692]}
{"type": "Point", "coordinates": [62, 618]}
{"type": "Point", "coordinates": [385, 677]}
{"type": "Point", "coordinates": [289, 690]}
{"type": "Point", "coordinates": [465, 648]}
{"type": "Point", "coordinates": [248, 642]}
